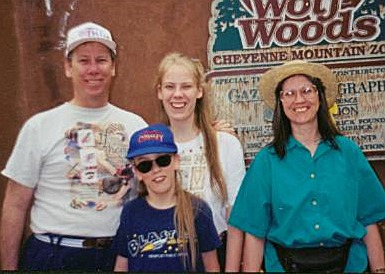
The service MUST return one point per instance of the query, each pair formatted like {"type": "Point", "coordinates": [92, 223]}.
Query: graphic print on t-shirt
{"type": "Point", "coordinates": [193, 167]}
{"type": "Point", "coordinates": [152, 245]}
{"type": "Point", "coordinates": [99, 172]}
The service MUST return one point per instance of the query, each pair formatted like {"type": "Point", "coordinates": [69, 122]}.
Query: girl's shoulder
{"type": "Point", "coordinates": [229, 144]}
{"type": "Point", "coordinates": [135, 204]}
{"type": "Point", "coordinates": [227, 137]}
{"type": "Point", "coordinates": [199, 205]}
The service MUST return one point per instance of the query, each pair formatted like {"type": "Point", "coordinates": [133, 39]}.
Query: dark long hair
{"type": "Point", "coordinates": [282, 127]}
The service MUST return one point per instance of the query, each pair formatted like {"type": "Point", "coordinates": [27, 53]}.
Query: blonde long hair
{"type": "Point", "coordinates": [184, 221]}
{"type": "Point", "coordinates": [202, 117]}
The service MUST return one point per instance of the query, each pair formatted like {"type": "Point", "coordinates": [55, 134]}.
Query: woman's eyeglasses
{"type": "Point", "coordinates": [308, 93]}
{"type": "Point", "coordinates": [161, 161]}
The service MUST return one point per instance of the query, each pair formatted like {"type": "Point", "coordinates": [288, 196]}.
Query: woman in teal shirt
{"type": "Point", "coordinates": [310, 200]}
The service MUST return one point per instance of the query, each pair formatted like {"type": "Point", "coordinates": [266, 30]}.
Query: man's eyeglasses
{"type": "Point", "coordinates": [161, 161]}
{"type": "Point", "coordinates": [308, 93]}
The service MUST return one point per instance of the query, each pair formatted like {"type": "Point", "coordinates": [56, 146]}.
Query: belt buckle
{"type": "Point", "coordinates": [89, 243]}
{"type": "Point", "coordinates": [98, 243]}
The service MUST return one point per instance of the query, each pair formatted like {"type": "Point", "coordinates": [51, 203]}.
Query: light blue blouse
{"type": "Point", "coordinates": [305, 201]}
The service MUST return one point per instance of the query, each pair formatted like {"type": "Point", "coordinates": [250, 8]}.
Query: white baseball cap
{"type": "Point", "coordinates": [89, 32]}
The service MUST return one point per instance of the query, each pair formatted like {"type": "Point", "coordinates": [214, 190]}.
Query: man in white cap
{"type": "Point", "coordinates": [69, 165]}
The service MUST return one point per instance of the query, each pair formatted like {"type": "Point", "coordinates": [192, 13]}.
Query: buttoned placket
{"type": "Point", "coordinates": [314, 201]}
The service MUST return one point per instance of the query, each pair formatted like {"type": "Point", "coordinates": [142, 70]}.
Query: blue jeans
{"type": "Point", "coordinates": [38, 255]}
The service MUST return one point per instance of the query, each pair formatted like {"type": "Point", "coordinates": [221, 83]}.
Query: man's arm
{"type": "Point", "coordinates": [375, 249]}
{"type": "Point", "coordinates": [222, 125]}
{"type": "Point", "coordinates": [15, 208]}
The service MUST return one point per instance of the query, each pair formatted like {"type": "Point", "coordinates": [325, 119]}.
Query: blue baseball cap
{"type": "Point", "coordinates": [156, 138]}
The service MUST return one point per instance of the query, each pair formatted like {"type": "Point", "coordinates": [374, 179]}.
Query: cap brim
{"type": "Point", "coordinates": [109, 44]}
{"type": "Point", "coordinates": [151, 150]}
{"type": "Point", "coordinates": [270, 79]}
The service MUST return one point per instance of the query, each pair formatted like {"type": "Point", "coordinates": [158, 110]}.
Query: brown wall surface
{"type": "Point", "coordinates": [9, 85]}
{"type": "Point", "coordinates": [31, 67]}
{"type": "Point", "coordinates": [31, 50]}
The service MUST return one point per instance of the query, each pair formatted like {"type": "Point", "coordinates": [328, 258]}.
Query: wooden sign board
{"type": "Point", "coordinates": [247, 37]}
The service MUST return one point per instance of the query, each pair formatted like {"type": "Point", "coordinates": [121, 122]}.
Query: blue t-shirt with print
{"type": "Point", "coordinates": [148, 238]}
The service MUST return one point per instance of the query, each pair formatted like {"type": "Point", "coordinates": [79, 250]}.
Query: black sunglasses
{"type": "Point", "coordinates": [161, 161]}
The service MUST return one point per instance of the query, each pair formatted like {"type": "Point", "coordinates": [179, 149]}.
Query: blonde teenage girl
{"type": "Point", "coordinates": [212, 161]}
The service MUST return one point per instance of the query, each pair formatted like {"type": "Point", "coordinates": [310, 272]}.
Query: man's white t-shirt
{"type": "Point", "coordinates": [74, 159]}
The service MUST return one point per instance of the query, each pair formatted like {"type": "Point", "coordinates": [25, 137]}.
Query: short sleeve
{"type": "Point", "coordinates": [25, 162]}
{"type": "Point", "coordinates": [122, 233]}
{"type": "Point", "coordinates": [252, 208]}
{"type": "Point", "coordinates": [207, 235]}
{"type": "Point", "coordinates": [233, 163]}
{"type": "Point", "coordinates": [371, 193]}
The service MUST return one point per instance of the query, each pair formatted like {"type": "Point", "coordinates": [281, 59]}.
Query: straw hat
{"type": "Point", "coordinates": [270, 79]}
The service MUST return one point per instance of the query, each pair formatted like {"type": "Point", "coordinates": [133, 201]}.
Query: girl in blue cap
{"type": "Point", "coordinates": [165, 228]}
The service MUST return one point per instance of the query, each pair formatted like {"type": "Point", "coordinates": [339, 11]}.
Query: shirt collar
{"type": "Point", "coordinates": [323, 146]}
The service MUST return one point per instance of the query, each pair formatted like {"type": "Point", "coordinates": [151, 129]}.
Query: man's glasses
{"type": "Point", "coordinates": [161, 161]}
{"type": "Point", "coordinates": [308, 93]}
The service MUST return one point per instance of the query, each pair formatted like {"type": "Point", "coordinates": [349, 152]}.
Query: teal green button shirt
{"type": "Point", "coordinates": [305, 201]}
